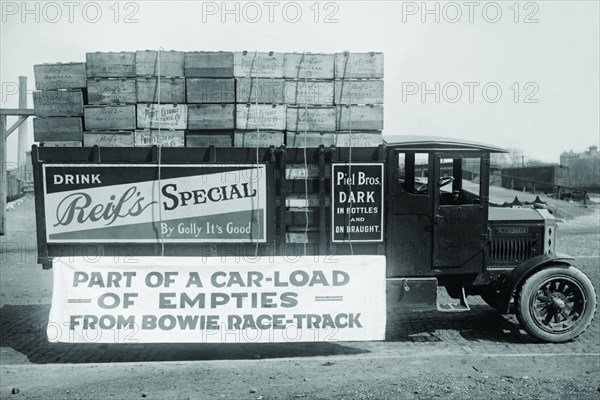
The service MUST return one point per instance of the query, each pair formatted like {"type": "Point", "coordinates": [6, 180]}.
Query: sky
{"type": "Point", "coordinates": [522, 75]}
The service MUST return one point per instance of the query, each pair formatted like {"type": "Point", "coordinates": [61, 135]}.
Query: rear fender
{"type": "Point", "coordinates": [522, 272]}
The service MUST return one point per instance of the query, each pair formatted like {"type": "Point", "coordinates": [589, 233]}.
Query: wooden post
{"type": "Point", "coordinates": [22, 143]}
{"type": "Point", "coordinates": [3, 176]}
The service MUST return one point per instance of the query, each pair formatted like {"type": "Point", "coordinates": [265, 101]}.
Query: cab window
{"type": "Point", "coordinates": [413, 172]}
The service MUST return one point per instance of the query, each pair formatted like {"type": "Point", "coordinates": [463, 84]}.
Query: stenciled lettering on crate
{"type": "Point", "coordinates": [58, 103]}
{"type": "Point", "coordinates": [108, 138]}
{"type": "Point", "coordinates": [148, 63]}
{"type": "Point", "coordinates": [110, 64]}
{"type": "Point", "coordinates": [210, 90]}
{"type": "Point", "coordinates": [309, 92]}
{"type": "Point", "coordinates": [308, 65]}
{"type": "Point", "coordinates": [172, 90]}
{"type": "Point", "coordinates": [57, 129]}
{"type": "Point", "coordinates": [261, 116]}
{"type": "Point", "coordinates": [338, 139]}
{"type": "Point", "coordinates": [258, 65]}
{"type": "Point", "coordinates": [164, 138]}
{"type": "Point", "coordinates": [111, 91]}
{"type": "Point", "coordinates": [316, 119]}
{"type": "Point", "coordinates": [257, 90]}
{"type": "Point", "coordinates": [359, 92]}
{"type": "Point", "coordinates": [359, 118]}
{"type": "Point", "coordinates": [109, 117]}
{"type": "Point", "coordinates": [163, 116]}
{"type": "Point", "coordinates": [211, 116]}
{"type": "Point", "coordinates": [209, 138]}
{"type": "Point", "coordinates": [258, 138]}
{"type": "Point", "coordinates": [358, 65]}
{"type": "Point", "coordinates": [204, 64]}
{"type": "Point", "coordinates": [60, 76]}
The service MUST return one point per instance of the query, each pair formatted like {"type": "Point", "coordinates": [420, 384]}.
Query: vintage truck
{"type": "Point", "coordinates": [420, 204]}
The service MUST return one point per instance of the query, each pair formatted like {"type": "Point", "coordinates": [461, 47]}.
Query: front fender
{"type": "Point", "coordinates": [523, 271]}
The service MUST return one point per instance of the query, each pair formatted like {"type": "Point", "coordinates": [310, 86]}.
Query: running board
{"type": "Point", "coordinates": [462, 306]}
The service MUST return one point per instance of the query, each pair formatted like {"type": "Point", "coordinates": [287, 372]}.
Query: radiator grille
{"type": "Point", "coordinates": [513, 248]}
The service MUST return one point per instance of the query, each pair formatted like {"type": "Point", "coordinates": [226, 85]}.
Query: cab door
{"type": "Point", "coordinates": [460, 212]}
{"type": "Point", "coordinates": [409, 214]}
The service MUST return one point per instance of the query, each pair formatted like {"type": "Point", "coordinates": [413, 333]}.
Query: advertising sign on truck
{"type": "Point", "coordinates": [147, 204]}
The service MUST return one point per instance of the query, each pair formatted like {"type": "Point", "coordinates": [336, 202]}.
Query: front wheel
{"type": "Point", "coordinates": [556, 304]}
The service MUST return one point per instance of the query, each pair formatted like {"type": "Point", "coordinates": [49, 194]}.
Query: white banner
{"type": "Point", "coordinates": [218, 300]}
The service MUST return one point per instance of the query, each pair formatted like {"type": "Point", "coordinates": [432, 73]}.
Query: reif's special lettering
{"type": "Point", "coordinates": [201, 196]}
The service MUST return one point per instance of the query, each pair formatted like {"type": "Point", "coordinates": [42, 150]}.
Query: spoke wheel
{"type": "Point", "coordinates": [556, 304]}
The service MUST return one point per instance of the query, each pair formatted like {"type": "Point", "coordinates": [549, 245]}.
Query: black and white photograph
{"type": "Point", "coordinates": [311, 199]}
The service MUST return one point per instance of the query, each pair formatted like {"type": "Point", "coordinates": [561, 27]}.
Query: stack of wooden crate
{"type": "Point", "coordinates": [260, 110]}
{"type": "Point", "coordinates": [198, 99]}
{"type": "Point", "coordinates": [58, 104]}
{"type": "Point", "coordinates": [210, 88]}
{"type": "Point", "coordinates": [161, 99]}
{"type": "Point", "coordinates": [109, 116]}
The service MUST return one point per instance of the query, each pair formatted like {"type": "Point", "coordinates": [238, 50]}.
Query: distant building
{"type": "Point", "coordinates": [584, 168]}
{"type": "Point", "coordinates": [568, 158]}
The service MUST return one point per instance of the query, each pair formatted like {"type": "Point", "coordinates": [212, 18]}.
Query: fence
{"type": "Point", "coordinates": [560, 192]}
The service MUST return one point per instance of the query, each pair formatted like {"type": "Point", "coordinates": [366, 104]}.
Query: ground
{"type": "Point", "coordinates": [475, 355]}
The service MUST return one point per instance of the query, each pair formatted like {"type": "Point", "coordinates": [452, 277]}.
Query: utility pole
{"type": "Point", "coordinates": [22, 146]}
{"type": "Point", "coordinates": [3, 177]}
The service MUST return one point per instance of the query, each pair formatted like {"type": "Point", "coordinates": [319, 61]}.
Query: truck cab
{"type": "Point", "coordinates": [442, 230]}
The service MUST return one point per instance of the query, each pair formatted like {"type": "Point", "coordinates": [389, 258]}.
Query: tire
{"type": "Point", "coordinates": [556, 304]}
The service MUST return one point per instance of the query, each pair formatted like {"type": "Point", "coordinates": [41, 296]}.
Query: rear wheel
{"type": "Point", "coordinates": [556, 304]}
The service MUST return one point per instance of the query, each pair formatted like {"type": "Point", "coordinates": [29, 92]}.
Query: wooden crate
{"type": "Point", "coordinates": [111, 91]}
{"type": "Point", "coordinates": [57, 129]}
{"type": "Point", "coordinates": [110, 65]}
{"type": "Point", "coordinates": [339, 139]}
{"type": "Point", "coordinates": [172, 90]}
{"type": "Point", "coordinates": [310, 119]}
{"type": "Point", "coordinates": [112, 117]}
{"type": "Point", "coordinates": [147, 63]}
{"type": "Point", "coordinates": [67, 143]}
{"type": "Point", "coordinates": [311, 66]}
{"type": "Point", "coordinates": [261, 116]}
{"type": "Point", "coordinates": [256, 90]}
{"type": "Point", "coordinates": [309, 92]}
{"type": "Point", "coordinates": [202, 64]}
{"type": "Point", "coordinates": [257, 65]}
{"type": "Point", "coordinates": [211, 116]}
{"type": "Point", "coordinates": [108, 138]}
{"type": "Point", "coordinates": [59, 76]}
{"type": "Point", "coordinates": [358, 65]}
{"type": "Point", "coordinates": [359, 92]}
{"type": "Point", "coordinates": [210, 90]}
{"type": "Point", "coordinates": [359, 118]}
{"type": "Point", "coordinates": [58, 103]}
{"type": "Point", "coordinates": [208, 138]}
{"type": "Point", "coordinates": [260, 139]}
{"type": "Point", "coordinates": [151, 137]}
{"type": "Point", "coordinates": [167, 116]}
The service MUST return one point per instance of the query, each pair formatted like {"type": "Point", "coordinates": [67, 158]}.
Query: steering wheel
{"type": "Point", "coordinates": [445, 180]}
